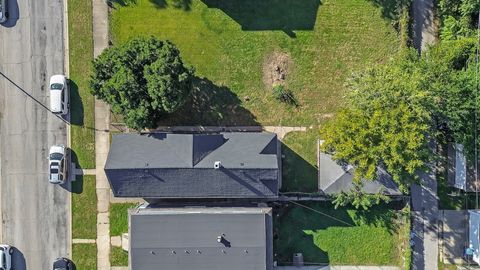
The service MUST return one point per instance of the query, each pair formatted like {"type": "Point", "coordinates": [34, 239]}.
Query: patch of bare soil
{"type": "Point", "coordinates": [275, 69]}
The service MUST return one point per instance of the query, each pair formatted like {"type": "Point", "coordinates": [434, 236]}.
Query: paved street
{"type": "Point", "coordinates": [34, 212]}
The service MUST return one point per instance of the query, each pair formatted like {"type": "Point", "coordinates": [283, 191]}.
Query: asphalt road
{"type": "Point", "coordinates": [34, 213]}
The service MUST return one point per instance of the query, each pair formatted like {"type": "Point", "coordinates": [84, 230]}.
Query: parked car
{"type": "Point", "coordinates": [62, 264]}
{"type": "Point", "coordinates": [57, 164]}
{"type": "Point", "coordinates": [6, 252]}
{"type": "Point", "coordinates": [59, 95]}
{"type": "Point", "coordinates": [3, 11]}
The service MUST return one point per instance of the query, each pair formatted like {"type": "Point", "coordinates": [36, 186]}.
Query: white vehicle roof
{"type": "Point", "coordinates": [57, 79]}
{"type": "Point", "coordinates": [57, 149]}
{"type": "Point", "coordinates": [56, 100]}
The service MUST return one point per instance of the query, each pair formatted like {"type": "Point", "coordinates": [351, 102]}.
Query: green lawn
{"type": "Point", "coordinates": [299, 165]}
{"type": "Point", "coordinates": [118, 257]}
{"type": "Point", "coordinates": [229, 43]}
{"type": "Point", "coordinates": [84, 256]}
{"type": "Point", "coordinates": [84, 208]}
{"type": "Point", "coordinates": [374, 237]}
{"type": "Point", "coordinates": [119, 217]}
{"type": "Point", "coordinates": [81, 101]}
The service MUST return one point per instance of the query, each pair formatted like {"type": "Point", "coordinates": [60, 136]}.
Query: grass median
{"type": "Point", "coordinates": [84, 208]}
{"type": "Point", "coordinates": [84, 256]}
{"type": "Point", "coordinates": [82, 103]}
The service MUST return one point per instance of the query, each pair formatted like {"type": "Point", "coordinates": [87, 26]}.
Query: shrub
{"type": "Point", "coordinates": [284, 95]}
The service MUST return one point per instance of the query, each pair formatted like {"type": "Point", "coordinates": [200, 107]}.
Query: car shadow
{"type": "Point", "coordinates": [18, 260]}
{"type": "Point", "coordinates": [74, 182]}
{"type": "Point", "coordinates": [13, 14]}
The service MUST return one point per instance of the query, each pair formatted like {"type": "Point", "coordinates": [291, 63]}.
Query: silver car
{"type": "Point", "coordinates": [6, 252]}
{"type": "Point", "coordinates": [57, 164]}
{"type": "Point", "coordinates": [3, 11]}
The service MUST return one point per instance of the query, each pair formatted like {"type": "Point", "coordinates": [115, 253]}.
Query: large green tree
{"type": "Point", "coordinates": [385, 123]}
{"type": "Point", "coordinates": [394, 110]}
{"type": "Point", "coordinates": [142, 79]}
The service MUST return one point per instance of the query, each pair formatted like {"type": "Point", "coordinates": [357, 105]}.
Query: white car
{"type": "Point", "coordinates": [57, 164]}
{"type": "Point", "coordinates": [3, 11]}
{"type": "Point", "coordinates": [59, 95]}
{"type": "Point", "coordinates": [6, 252]}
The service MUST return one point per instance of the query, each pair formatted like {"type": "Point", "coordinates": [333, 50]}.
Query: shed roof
{"type": "Point", "coordinates": [336, 177]}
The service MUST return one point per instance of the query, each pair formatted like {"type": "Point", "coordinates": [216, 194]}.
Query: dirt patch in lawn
{"type": "Point", "coordinates": [275, 69]}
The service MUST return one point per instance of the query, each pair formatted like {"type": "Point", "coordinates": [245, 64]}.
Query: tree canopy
{"type": "Point", "coordinates": [394, 110]}
{"type": "Point", "coordinates": [142, 79]}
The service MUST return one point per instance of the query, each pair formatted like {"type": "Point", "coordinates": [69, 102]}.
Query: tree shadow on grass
{"type": "Point", "coordinates": [76, 105]}
{"type": "Point", "coordinates": [181, 4]}
{"type": "Point", "coordinates": [284, 15]}
{"type": "Point", "coordinates": [122, 3]}
{"type": "Point", "coordinates": [211, 105]}
{"type": "Point", "coordinates": [379, 216]}
{"type": "Point", "coordinates": [298, 175]}
{"type": "Point", "coordinates": [389, 8]}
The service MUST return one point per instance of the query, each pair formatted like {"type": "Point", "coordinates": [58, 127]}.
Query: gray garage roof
{"type": "Point", "coordinates": [162, 165]}
{"type": "Point", "coordinates": [186, 238]}
{"type": "Point", "coordinates": [336, 177]}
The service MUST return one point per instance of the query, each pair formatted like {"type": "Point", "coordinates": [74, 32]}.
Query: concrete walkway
{"type": "Point", "coordinates": [425, 222]}
{"type": "Point", "coordinates": [102, 115]}
{"type": "Point", "coordinates": [83, 241]}
{"type": "Point", "coordinates": [281, 131]}
{"type": "Point", "coordinates": [424, 197]}
{"type": "Point", "coordinates": [424, 24]}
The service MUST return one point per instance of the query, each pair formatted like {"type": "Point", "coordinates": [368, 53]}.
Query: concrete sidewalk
{"type": "Point", "coordinates": [102, 120]}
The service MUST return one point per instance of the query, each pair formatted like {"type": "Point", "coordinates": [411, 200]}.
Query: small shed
{"type": "Point", "coordinates": [335, 177]}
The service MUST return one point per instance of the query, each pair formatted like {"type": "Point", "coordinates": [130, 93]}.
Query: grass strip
{"type": "Point", "coordinates": [84, 256]}
{"type": "Point", "coordinates": [84, 208]}
{"type": "Point", "coordinates": [82, 103]}
{"type": "Point", "coordinates": [118, 256]}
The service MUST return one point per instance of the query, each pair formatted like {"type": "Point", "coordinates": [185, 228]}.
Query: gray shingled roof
{"type": "Point", "coordinates": [186, 238]}
{"type": "Point", "coordinates": [336, 177]}
{"type": "Point", "coordinates": [164, 165]}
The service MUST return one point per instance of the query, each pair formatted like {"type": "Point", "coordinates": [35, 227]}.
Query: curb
{"type": "Point", "coordinates": [66, 68]}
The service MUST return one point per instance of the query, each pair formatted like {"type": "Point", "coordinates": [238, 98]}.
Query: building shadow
{"type": "Point", "coordinates": [284, 15]}
{"type": "Point", "coordinates": [211, 105]}
{"type": "Point", "coordinates": [298, 175]}
{"type": "Point", "coordinates": [295, 228]}
{"type": "Point", "coordinates": [13, 13]}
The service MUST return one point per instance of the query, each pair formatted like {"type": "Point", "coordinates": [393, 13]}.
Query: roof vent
{"type": "Point", "coordinates": [217, 165]}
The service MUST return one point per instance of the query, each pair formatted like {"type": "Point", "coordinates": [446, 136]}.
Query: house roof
{"type": "Point", "coordinates": [186, 238]}
{"type": "Point", "coordinates": [162, 165]}
{"type": "Point", "coordinates": [336, 177]}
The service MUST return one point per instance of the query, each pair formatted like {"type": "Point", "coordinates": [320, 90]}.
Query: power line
{"type": "Point", "coordinates": [476, 105]}
{"type": "Point", "coordinates": [321, 213]}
